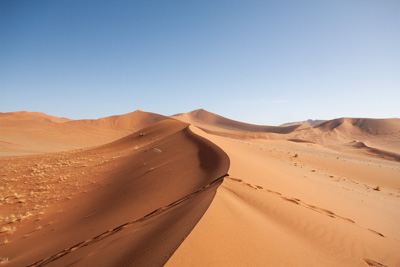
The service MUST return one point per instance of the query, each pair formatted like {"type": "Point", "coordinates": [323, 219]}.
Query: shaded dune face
{"type": "Point", "coordinates": [133, 203]}
{"type": "Point", "coordinates": [295, 191]}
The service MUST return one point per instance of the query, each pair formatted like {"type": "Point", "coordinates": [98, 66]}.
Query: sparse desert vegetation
{"type": "Point", "coordinates": [39, 192]}
{"type": "Point", "coordinates": [290, 177]}
{"type": "Point", "coordinates": [30, 185]}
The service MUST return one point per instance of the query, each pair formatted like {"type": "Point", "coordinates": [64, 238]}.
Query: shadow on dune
{"type": "Point", "coordinates": [375, 151]}
{"type": "Point", "coordinates": [159, 183]}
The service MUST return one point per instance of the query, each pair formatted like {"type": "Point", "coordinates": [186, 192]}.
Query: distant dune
{"type": "Point", "coordinates": [36, 116]}
{"type": "Point", "coordinates": [198, 189]}
{"type": "Point", "coordinates": [374, 151]}
{"type": "Point", "coordinates": [127, 123]}
{"type": "Point", "coordinates": [297, 204]}
{"type": "Point", "coordinates": [368, 126]}
{"type": "Point", "coordinates": [208, 120]}
{"type": "Point", "coordinates": [382, 134]}
{"type": "Point", "coordinates": [307, 122]}
{"type": "Point", "coordinates": [24, 133]}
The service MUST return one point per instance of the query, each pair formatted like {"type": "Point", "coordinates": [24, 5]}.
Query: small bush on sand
{"type": "Point", "coordinates": [8, 229]}
{"type": "Point", "coordinates": [378, 188]}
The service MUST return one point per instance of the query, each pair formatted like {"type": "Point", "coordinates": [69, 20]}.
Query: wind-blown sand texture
{"type": "Point", "coordinates": [299, 195]}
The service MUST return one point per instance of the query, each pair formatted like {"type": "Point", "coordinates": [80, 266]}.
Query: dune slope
{"type": "Point", "coordinates": [302, 195]}
{"type": "Point", "coordinates": [210, 121]}
{"type": "Point", "coordinates": [129, 202]}
{"type": "Point", "coordinates": [24, 133]}
{"type": "Point", "coordinates": [381, 136]}
{"type": "Point", "coordinates": [297, 204]}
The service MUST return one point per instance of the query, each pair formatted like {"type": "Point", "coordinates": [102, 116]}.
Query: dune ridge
{"type": "Point", "coordinates": [125, 225]}
{"type": "Point", "coordinates": [307, 122]}
{"type": "Point", "coordinates": [322, 195]}
{"type": "Point", "coordinates": [297, 204]}
{"type": "Point", "coordinates": [206, 119]}
{"type": "Point", "coordinates": [133, 203]}
{"type": "Point", "coordinates": [383, 135]}
{"type": "Point", "coordinates": [26, 133]}
{"type": "Point", "coordinates": [370, 126]}
{"type": "Point", "coordinates": [26, 115]}
{"type": "Point", "coordinates": [375, 151]}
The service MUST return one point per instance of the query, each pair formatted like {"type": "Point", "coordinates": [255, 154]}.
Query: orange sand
{"type": "Point", "coordinates": [297, 195]}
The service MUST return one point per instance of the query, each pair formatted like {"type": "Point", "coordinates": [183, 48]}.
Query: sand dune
{"type": "Point", "coordinates": [24, 133]}
{"type": "Point", "coordinates": [25, 115]}
{"type": "Point", "coordinates": [323, 195]}
{"type": "Point", "coordinates": [210, 121]}
{"type": "Point", "coordinates": [131, 202]}
{"type": "Point", "coordinates": [381, 134]}
{"type": "Point", "coordinates": [370, 126]}
{"type": "Point", "coordinates": [297, 204]}
{"type": "Point", "coordinates": [307, 122]}
{"type": "Point", "coordinates": [126, 123]}
{"type": "Point", "coordinates": [375, 151]}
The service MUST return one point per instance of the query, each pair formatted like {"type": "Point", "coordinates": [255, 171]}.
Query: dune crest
{"type": "Point", "coordinates": [369, 126]}
{"type": "Point", "coordinates": [307, 122]}
{"type": "Point", "coordinates": [208, 120]}
{"type": "Point", "coordinates": [382, 134]}
{"type": "Point", "coordinates": [25, 133]}
{"type": "Point", "coordinates": [129, 202]}
{"type": "Point", "coordinates": [26, 115]}
{"type": "Point", "coordinates": [142, 189]}
{"type": "Point", "coordinates": [297, 204]}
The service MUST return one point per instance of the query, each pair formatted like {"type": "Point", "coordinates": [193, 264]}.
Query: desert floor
{"type": "Point", "coordinates": [197, 189]}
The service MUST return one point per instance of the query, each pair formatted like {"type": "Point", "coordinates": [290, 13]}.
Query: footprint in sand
{"type": "Point", "coordinates": [375, 232]}
{"type": "Point", "coordinates": [374, 263]}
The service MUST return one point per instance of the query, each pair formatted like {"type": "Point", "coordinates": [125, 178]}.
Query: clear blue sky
{"type": "Point", "coordinates": [264, 62]}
